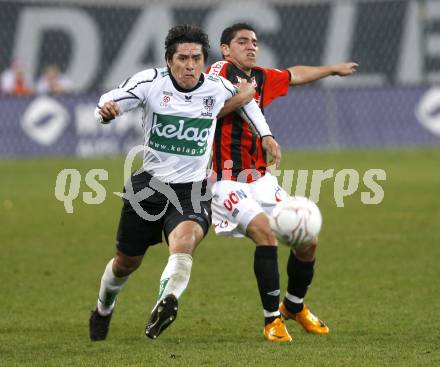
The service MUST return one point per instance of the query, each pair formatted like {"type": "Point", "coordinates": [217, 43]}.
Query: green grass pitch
{"type": "Point", "coordinates": [377, 280]}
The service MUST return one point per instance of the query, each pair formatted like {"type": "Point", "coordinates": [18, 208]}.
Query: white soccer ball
{"type": "Point", "coordinates": [296, 221]}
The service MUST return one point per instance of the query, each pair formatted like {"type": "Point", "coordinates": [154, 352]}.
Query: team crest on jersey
{"type": "Point", "coordinates": [208, 103]}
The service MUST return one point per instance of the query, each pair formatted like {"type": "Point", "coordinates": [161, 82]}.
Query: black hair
{"type": "Point", "coordinates": [229, 33]}
{"type": "Point", "coordinates": [185, 33]}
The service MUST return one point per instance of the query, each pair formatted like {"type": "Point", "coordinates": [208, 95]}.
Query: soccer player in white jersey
{"type": "Point", "coordinates": [180, 105]}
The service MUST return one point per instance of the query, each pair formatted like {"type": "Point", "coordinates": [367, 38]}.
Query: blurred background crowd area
{"type": "Point", "coordinates": [58, 56]}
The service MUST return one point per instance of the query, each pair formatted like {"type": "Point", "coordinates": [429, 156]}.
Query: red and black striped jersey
{"type": "Point", "coordinates": [235, 140]}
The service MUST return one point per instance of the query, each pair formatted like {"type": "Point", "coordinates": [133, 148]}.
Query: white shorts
{"type": "Point", "coordinates": [235, 204]}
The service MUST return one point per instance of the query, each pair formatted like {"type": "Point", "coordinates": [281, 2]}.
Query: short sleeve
{"type": "Point", "coordinates": [276, 84]}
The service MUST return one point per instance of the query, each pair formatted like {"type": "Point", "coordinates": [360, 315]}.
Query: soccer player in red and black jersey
{"type": "Point", "coordinates": [245, 193]}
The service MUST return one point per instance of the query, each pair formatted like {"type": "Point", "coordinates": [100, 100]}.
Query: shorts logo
{"type": "Point", "coordinates": [233, 198]}
{"type": "Point", "coordinates": [278, 197]}
{"type": "Point", "coordinates": [222, 224]}
{"type": "Point", "coordinates": [196, 217]}
{"type": "Point", "coordinates": [179, 135]}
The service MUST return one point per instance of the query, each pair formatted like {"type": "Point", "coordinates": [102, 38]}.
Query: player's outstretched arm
{"type": "Point", "coordinates": [246, 91]}
{"type": "Point", "coordinates": [129, 95]}
{"type": "Point", "coordinates": [306, 74]}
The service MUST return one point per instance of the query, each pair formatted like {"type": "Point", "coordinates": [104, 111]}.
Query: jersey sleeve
{"type": "Point", "coordinates": [132, 93]}
{"type": "Point", "coordinates": [219, 68]}
{"type": "Point", "coordinates": [229, 88]}
{"type": "Point", "coordinates": [276, 84]}
{"type": "Point", "coordinates": [251, 113]}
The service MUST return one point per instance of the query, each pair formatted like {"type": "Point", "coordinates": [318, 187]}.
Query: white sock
{"type": "Point", "coordinates": [271, 314]}
{"type": "Point", "coordinates": [175, 276]}
{"type": "Point", "coordinates": [110, 287]}
{"type": "Point", "coordinates": [293, 298]}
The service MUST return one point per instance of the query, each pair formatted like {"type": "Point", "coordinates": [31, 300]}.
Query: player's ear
{"type": "Point", "coordinates": [169, 60]}
{"type": "Point", "coordinates": [224, 49]}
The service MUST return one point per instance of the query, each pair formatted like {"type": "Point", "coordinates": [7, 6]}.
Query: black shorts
{"type": "Point", "coordinates": [142, 222]}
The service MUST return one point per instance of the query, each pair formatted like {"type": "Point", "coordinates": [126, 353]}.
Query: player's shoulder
{"type": "Point", "coordinates": [218, 82]}
{"type": "Point", "coordinates": [163, 72]}
{"type": "Point", "coordinates": [212, 78]}
{"type": "Point", "coordinates": [219, 67]}
{"type": "Point", "coordinates": [268, 70]}
{"type": "Point", "coordinates": [147, 74]}
{"type": "Point", "coordinates": [140, 78]}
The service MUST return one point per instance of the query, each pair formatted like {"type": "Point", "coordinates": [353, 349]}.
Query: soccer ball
{"type": "Point", "coordinates": [296, 221]}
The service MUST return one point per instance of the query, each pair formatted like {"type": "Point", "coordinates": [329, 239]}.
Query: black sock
{"type": "Point", "coordinates": [300, 274]}
{"type": "Point", "coordinates": [268, 278]}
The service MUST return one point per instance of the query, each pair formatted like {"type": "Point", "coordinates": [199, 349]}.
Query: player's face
{"type": "Point", "coordinates": [242, 50]}
{"type": "Point", "coordinates": [187, 64]}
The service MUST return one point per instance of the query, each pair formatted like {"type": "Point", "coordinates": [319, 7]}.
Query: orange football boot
{"type": "Point", "coordinates": [276, 331]}
{"type": "Point", "coordinates": [306, 319]}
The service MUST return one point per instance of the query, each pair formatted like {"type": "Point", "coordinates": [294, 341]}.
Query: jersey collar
{"type": "Point", "coordinates": [183, 90]}
{"type": "Point", "coordinates": [241, 73]}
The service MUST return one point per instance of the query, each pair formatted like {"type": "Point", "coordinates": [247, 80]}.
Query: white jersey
{"type": "Point", "coordinates": [178, 124]}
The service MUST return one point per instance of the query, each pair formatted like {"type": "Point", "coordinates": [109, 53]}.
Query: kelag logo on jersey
{"type": "Point", "coordinates": [179, 135]}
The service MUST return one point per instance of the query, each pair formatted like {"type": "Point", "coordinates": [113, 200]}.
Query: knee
{"type": "Point", "coordinates": [124, 265]}
{"type": "Point", "coordinates": [260, 231]}
{"type": "Point", "coordinates": [185, 238]}
{"type": "Point", "coordinates": [307, 253]}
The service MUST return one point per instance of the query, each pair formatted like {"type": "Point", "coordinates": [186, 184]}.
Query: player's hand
{"type": "Point", "coordinates": [109, 110]}
{"type": "Point", "coordinates": [346, 69]}
{"type": "Point", "coordinates": [246, 91]}
{"type": "Point", "coordinates": [273, 148]}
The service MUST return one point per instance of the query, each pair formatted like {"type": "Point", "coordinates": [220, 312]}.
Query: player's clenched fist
{"type": "Point", "coordinates": [273, 148]}
{"type": "Point", "coordinates": [109, 110]}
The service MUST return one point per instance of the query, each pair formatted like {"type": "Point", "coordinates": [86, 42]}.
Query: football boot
{"type": "Point", "coordinates": [309, 322]}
